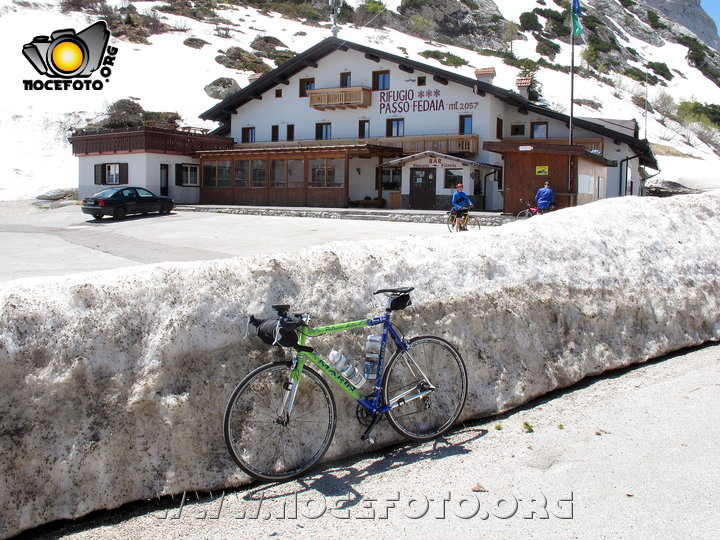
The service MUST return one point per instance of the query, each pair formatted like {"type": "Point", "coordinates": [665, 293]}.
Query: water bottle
{"type": "Point", "coordinates": [372, 356]}
{"type": "Point", "coordinates": [344, 367]}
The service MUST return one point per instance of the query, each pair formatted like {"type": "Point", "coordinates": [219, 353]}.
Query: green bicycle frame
{"type": "Point", "coordinates": [305, 332]}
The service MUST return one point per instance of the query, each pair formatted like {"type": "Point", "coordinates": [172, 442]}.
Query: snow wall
{"type": "Point", "coordinates": [113, 386]}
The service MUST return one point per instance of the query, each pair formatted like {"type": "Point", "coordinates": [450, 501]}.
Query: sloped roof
{"type": "Point", "coordinates": [309, 58]}
{"type": "Point", "coordinates": [430, 153]}
{"type": "Point", "coordinates": [629, 127]}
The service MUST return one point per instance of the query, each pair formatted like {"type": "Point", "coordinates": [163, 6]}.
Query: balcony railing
{"type": "Point", "coordinates": [352, 97]}
{"type": "Point", "coordinates": [445, 144]}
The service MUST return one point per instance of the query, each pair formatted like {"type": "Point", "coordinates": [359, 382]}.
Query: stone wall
{"type": "Point", "coordinates": [113, 386]}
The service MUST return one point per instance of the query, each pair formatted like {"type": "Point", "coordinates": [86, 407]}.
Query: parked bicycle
{"type": "Point", "coordinates": [466, 221]}
{"type": "Point", "coordinates": [280, 419]}
{"type": "Point", "coordinates": [531, 210]}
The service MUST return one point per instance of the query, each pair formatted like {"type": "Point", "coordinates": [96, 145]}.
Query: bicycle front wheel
{"type": "Point", "coordinates": [266, 442]}
{"type": "Point", "coordinates": [451, 223]}
{"type": "Point", "coordinates": [473, 224]}
{"type": "Point", "coordinates": [525, 214]}
{"type": "Point", "coordinates": [430, 382]}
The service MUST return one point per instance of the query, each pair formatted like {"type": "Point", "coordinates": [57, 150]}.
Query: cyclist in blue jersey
{"type": "Point", "coordinates": [461, 203]}
{"type": "Point", "coordinates": [545, 198]}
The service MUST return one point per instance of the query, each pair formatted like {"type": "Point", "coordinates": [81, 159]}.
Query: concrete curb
{"type": "Point", "coordinates": [419, 216]}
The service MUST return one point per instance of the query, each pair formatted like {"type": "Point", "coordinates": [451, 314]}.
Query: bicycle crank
{"type": "Point", "coordinates": [363, 416]}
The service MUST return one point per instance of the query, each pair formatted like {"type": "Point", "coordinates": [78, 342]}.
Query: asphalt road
{"type": "Point", "coordinates": [59, 241]}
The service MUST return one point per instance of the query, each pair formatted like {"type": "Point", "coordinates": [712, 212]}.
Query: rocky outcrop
{"type": "Point", "coordinates": [237, 58]}
{"type": "Point", "coordinates": [222, 88]}
{"type": "Point", "coordinates": [113, 386]}
{"type": "Point", "coordinates": [467, 24]}
{"type": "Point", "coordinates": [691, 15]}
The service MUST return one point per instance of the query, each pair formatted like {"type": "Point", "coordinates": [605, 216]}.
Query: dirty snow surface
{"type": "Point", "coordinates": [112, 389]}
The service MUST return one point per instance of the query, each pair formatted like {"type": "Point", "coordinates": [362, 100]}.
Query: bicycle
{"type": "Point", "coordinates": [466, 221]}
{"type": "Point", "coordinates": [531, 210]}
{"type": "Point", "coordinates": [281, 418]}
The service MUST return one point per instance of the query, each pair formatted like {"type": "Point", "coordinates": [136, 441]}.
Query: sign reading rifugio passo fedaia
{"type": "Point", "coordinates": [406, 101]}
{"type": "Point", "coordinates": [68, 59]}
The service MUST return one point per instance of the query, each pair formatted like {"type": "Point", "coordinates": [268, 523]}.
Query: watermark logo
{"type": "Point", "coordinates": [68, 58]}
{"type": "Point", "coordinates": [447, 505]}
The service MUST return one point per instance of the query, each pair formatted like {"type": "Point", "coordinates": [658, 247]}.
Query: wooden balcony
{"type": "Point", "coordinates": [352, 97]}
{"type": "Point", "coordinates": [445, 144]}
{"type": "Point", "coordinates": [144, 139]}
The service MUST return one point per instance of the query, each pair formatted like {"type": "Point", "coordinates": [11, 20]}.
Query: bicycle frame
{"type": "Point", "coordinates": [371, 405]}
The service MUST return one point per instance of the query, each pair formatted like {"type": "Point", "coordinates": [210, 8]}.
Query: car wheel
{"type": "Point", "coordinates": [165, 208]}
{"type": "Point", "coordinates": [119, 213]}
{"type": "Point", "coordinates": [98, 216]}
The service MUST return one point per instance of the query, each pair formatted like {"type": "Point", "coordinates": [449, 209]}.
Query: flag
{"type": "Point", "coordinates": [576, 7]}
{"type": "Point", "coordinates": [577, 27]}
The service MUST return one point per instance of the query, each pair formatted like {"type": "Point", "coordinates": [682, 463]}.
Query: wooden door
{"type": "Point", "coordinates": [422, 189]}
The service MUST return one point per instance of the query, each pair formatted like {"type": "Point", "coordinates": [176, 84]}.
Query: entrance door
{"type": "Point", "coordinates": [164, 179]}
{"type": "Point", "coordinates": [422, 189]}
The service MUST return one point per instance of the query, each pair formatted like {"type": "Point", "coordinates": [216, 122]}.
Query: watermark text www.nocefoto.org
{"type": "Point", "coordinates": [316, 506]}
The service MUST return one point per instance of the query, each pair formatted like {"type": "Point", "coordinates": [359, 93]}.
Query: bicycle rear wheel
{"type": "Point", "coordinates": [451, 223]}
{"type": "Point", "coordinates": [262, 439]}
{"type": "Point", "coordinates": [525, 214]}
{"type": "Point", "coordinates": [431, 366]}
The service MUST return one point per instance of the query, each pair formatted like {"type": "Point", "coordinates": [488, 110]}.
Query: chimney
{"type": "Point", "coordinates": [523, 86]}
{"type": "Point", "coordinates": [485, 75]}
{"type": "Point", "coordinates": [254, 77]}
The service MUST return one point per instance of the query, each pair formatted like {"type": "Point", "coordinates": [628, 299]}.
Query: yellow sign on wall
{"type": "Point", "coordinates": [542, 170]}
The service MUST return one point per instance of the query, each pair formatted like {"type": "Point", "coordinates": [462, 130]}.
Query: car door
{"type": "Point", "coordinates": [148, 201]}
{"type": "Point", "coordinates": [130, 201]}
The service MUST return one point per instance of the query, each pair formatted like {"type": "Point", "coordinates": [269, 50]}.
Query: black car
{"type": "Point", "coordinates": [118, 202]}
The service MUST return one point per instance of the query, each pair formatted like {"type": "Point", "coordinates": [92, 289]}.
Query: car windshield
{"type": "Point", "coordinates": [106, 193]}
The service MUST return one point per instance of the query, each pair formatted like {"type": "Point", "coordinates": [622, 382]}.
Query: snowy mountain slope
{"type": "Point", "coordinates": [166, 75]}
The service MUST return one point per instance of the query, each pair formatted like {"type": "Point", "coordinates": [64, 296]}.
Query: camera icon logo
{"type": "Point", "coordinates": [67, 54]}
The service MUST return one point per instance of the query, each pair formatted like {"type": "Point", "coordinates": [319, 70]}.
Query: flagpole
{"type": "Point", "coordinates": [575, 12]}
{"type": "Point", "coordinates": [572, 84]}
{"type": "Point", "coordinates": [572, 105]}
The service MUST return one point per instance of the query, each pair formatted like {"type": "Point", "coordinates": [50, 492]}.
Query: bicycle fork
{"type": "Point", "coordinates": [288, 401]}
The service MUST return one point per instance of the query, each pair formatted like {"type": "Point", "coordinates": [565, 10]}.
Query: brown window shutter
{"type": "Point", "coordinates": [178, 174]}
{"type": "Point", "coordinates": [123, 173]}
{"type": "Point", "coordinates": [99, 173]}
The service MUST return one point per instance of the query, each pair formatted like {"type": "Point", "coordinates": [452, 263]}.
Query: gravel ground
{"type": "Point", "coordinates": [631, 454]}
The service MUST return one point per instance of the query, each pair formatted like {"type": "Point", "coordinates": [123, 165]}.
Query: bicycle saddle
{"type": "Point", "coordinates": [395, 292]}
{"type": "Point", "coordinates": [281, 309]}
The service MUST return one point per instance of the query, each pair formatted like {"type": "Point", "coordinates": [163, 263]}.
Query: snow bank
{"type": "Point", "coordinates": [699, 174]}
{"type": "Point", "coordinates": [112, 388]}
